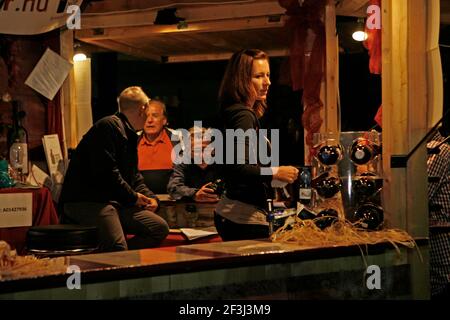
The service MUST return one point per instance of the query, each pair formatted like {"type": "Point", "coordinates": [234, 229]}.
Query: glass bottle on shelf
{"type": "Point", "coordinates": [18, 142]}
{"type": "Point", "coordinates": [18, 159]}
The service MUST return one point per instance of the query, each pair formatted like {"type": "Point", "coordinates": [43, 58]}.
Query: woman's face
{"type": "Point", "coordinates": [260, 78]}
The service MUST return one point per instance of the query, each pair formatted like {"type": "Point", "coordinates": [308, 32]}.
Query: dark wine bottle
{"type": "Point", "coordinates": [364, 187]}
{"type": "Point", "coordinates": [328, 187]}
{"type": "Point", "coordinates": [270, 215]}
{"type": "Point", "coordinates": [304, 186]}
{"type": "Point", "coordinates": [362, 151]}
{"type": "Point", "coordinates": [17, 130]}
{"type": "Point", "coordinates": [326, 218]}
{"type": "Point", "coordinates": [369, 216]}
{"type": "Point", "coordinates": [329, 155]}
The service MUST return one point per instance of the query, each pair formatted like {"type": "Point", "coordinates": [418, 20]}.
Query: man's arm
{"type": "Point", "coordinates": [177, 187]}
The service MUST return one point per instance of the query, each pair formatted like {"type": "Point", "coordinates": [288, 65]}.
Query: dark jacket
{"type": "Point", "coordinates": [244, 182]}
{"type": "Point", "coordinates": [103, 167]}
{"type": "Point", "coordinates": [187, 179]}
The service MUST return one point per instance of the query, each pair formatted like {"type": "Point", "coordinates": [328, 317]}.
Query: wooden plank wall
{"type": "Point", "coordinates": [405, 109]}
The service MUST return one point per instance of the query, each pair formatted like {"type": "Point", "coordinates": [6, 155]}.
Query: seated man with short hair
{"type": "Point", "coordinates": [192, 181]}
{"type": "Point", "coordinates": [155, 148]}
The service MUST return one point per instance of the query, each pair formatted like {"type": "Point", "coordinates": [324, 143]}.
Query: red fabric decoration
{"type": "Point", "coordinates": [379, 116]}
{"type": "Point", "coordinates": [307, 57]}
{"type": "Point", "coordinates": [373, 43]}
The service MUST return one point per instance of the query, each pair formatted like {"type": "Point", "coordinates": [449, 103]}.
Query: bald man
{"type": "Point", "coordinates": [103, 186]}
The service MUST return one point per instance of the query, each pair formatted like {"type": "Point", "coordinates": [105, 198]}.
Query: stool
{"type": "Point", "coordinates": [61, 240]}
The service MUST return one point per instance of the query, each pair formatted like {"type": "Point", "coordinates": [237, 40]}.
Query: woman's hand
{"type": "Point", "coordinates": [285, 173]}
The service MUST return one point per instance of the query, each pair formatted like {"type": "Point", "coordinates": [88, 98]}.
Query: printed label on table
{"type": "Point", "coordinates": [16, 210]}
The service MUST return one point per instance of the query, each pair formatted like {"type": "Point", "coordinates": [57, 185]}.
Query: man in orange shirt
{"type": "Point", "coordinates": [155, 148]}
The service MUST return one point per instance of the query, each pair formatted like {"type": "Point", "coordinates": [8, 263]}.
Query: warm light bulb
{"type": "Point", "coordinates": [359, 36]}
{"type": "Point", "coordinates": [79, 57]}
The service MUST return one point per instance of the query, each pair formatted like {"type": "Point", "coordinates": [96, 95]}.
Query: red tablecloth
{"type": "Point", "coordinates": [44, 213]}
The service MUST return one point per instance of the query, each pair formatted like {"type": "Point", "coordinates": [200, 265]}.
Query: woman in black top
{"type": "Point", "coordinates": [240, 214]}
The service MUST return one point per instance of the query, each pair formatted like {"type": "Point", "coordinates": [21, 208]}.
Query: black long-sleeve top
{"type": "Point", "coordinates": [103, 167]}
{"type": "Point", "coordinates": [244, 182]}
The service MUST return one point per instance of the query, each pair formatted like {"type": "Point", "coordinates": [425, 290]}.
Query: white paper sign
{"type": "Point", "coordinates": [53, 153]}
{"type": "Point", "coordinates": [49, 74]}
{"type": "Point", "coordinates": [16, 210]}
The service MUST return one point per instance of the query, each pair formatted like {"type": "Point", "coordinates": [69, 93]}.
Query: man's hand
{"type": "Point", "coordinates": [146, 202]}
{"type": "Point", "coordinates": [206, 194]}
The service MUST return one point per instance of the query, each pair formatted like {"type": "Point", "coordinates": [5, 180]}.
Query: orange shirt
{"type": "Point", "coordinates": [155, 155]}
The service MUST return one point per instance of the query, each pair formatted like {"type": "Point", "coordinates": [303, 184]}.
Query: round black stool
{"type": "Point", "coordinates": [61, 240]}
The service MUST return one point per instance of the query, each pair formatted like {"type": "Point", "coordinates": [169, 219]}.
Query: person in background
{"type": "Point", "coordinates": [438, 168]}
{"type": "Point", "coordinates": [193, 181]}
{"type": "Point", "coordinates": [155, 148]}
{"type": "Point", "coordinates": [240, 214]}
{"type": "Point", "coordinates": [103, 186]}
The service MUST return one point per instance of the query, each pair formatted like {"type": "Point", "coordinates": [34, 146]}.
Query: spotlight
{"type": "Point", "coordinates": [359, 34]}
{"type": "Point", "coordinates": [78, 54]}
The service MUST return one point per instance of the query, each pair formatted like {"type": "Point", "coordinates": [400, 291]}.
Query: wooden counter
{"type": "Point", "coordinates": [235, 270]}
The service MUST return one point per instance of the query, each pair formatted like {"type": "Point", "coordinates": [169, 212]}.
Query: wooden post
{"type": "Point", "coordinates": [331, 116]}
{"type": "Point", "coordinates": [68, 94]}
{"type": "Point", "coordinates": [405, 108]}
{"type": "Point", "coordinates": [328, 91]}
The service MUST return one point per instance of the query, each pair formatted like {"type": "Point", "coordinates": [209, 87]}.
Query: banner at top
{"type": "Point", "coordinates": [28, 17]}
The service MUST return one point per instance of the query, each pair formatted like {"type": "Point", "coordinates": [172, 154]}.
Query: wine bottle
{"type": "Point", "coordinates": [305, 190]}
{"type": "Point", "coordinates": [270, 215]}
{"type": "Point", "coordinates": [364, 187]}
{"type": "Point", "coordinates": [18, 137]}
{"type": "Point", "coordinates": [218, 186]}
{"type": "Point", "coordinates": [18, 159]}
{"type": "Point", "coordinates": [326, 218]}
{"type": "Point", "coordinates": [329, 154]}
{"type": "Point", "coordinates": [369, 216]}
{"type": "Point", "coordinates": [362, 151]}
{"type": "Point", "coordinates": [328, 187]}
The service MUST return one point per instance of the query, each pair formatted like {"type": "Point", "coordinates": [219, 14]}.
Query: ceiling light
{"type": "Point", "coordinates": [359, 35]}
{"type": "Point", "coordinates": [79, 57]}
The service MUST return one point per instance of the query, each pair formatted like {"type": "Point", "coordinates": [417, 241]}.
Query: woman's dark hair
{"type": "Point", "coordinates": [236, 86]}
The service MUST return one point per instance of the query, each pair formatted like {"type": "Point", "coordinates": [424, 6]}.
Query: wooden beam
{"type": "Point", "coordinates": [218, 56]}
{"type": "Point", "coordinates": [434, 70]}
{"type": "Point", "coordinates": [353, 8]}
{"type": "Point", "coordinates": [197, 27]}
{"type": "Point", "coordinates": [331, 120]}
{"type": "Point", "coordinates": [191, 14]}
{"type": "Point", "coordinates": [124, 5]}
{"type": "Point", "coordinates": [190, 9]}
{"type": "Point", "coordinates": [404, 90]}
{"type": "Point", "coordinates": [68, 94]}
{"type": "Point", "coordinates": [126, 49]}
